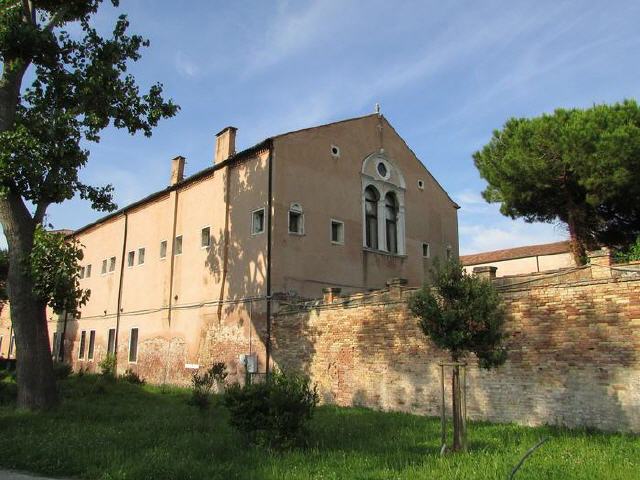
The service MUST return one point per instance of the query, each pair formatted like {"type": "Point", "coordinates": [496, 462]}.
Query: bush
{"type": "Point", "coordinates": [61, 370]}
{"type": "Point", "coordinates": [131, 377]}
{"type": "Point", "coordinates": [202, 385]}
{"type": "Point", "coordinates": [8, 387]}
{"type": "Point", "coordinates": [274, 413]}
{"type": "Point", "coordinates": [108, 366]}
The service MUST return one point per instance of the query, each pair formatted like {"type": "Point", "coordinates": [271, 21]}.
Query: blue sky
{"type": "Point", "coordinates": [445, 73]}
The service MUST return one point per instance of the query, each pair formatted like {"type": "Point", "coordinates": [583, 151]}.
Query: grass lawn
{"type": "Point", "coordinates": [131, 432]}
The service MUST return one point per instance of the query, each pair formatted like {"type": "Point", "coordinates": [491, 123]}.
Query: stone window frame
{"type": "Point", "coordinates": [384, 186]}
{"type": "Point", "coordinates": [208, 245]}
{"type": "Point", "coordinates": [428, 250]}
{"type": "Point", "coordinates": [295, 208]}
{"type": "Point", "coordinates": [255, 232]}
{"type": "Point", "coordinates": [338, 222]}
{"type": "Point", "coordinates": [135, 361]}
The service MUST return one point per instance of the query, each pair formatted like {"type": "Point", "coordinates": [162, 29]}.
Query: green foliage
{"type": "Point", "coordinates": [129, 376]}
{"type": "Point", "coordinates": [202, 384]}
{"type": "Point", "coordinates": [56, 272]}
{"type": "Point", "coordinates": [61, 370]}
{"type": "Point", "coordinates": [578, 166]}
{"type": "Point", "coordinates": [4, 270]}
{"type": "Point", "coordinates": [108, 366]}
{"type": "Point", "coordinates": [631, 254]}
{"type": "Point", "coordinates": [273, 413]}
{"type": "Point", "coordinates": [461, 313]}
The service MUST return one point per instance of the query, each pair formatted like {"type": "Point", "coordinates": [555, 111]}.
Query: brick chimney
{"type": "Point", "coordinates": [177, 170]}
{"type": "Point", "coordinates": [600, 261]}
{"type": "Point", "coordinates": [487, 272]}
{"type": "Point", "coordinates": [225, 144]}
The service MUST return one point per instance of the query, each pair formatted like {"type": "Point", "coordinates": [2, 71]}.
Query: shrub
{"type": "Point", "coordinates": [108, 366]}
{"type": "Point", "coordinates": [61, 370]}
{"type": "Point", "coordinates": [202, 384]}
{"type": "Point", "coordinates": [131, 377]}
{"type": "Point", "coordinates": [274, 413]}
{"type": "Point", "coordinates": [8, 387]}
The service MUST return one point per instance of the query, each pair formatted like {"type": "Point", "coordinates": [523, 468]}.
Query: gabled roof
{"type": "Point", "coordinates": [515, 253]}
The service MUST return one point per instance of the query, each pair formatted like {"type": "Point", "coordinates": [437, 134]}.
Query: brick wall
{"type": "Point", "coordinates": [574, 352]}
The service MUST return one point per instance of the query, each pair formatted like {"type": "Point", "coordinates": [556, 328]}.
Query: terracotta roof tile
{"type": "Point", "coordinates": [513, 253]}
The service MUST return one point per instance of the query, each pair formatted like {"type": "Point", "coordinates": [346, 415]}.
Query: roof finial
{"type": "Point", "coordinates": [378, 108]}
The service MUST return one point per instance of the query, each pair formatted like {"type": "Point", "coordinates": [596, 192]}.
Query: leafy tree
{"type": "Point", "coordinates": [462, 314]}
{"type": "Point", "coordinates": [80, 86]}
{"type": "Point", "coordinates": [631, 254]}
{"type": "Point", "coordinates": [579, 167]}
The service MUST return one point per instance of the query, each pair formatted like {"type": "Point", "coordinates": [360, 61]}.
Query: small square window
{"type": "Point", "coordinates": [140, 256]}
{"type": "Point", "coordinates": [426, 250]}
{"type": "Point", "coordinates": [133, 346]}
{"type": "Point", "coordinates": [104, 266]}
{"type": "Point", "coordinates": [88, 272]}
{"type": "Point", "coordinates": [112, 264]}
{"type": "Point", "coordinates": [205, 237]}
{"type": "Point", "coordinates": [131, 258]}
{"type": "Point", "coordinates": [163, 249]}
{"type": "Point", "coordinates": [257, 222]}
{"type": "Point", "coordinates": [296, 219]}
{"type": "Point", "coordinates": [177, 246]}
{"type": "Point", "coordinates": [337, 232]}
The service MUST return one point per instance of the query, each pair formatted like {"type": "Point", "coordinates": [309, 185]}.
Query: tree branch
{"type": "Point", "coordinates": [41, 210]}
{"type": "Point", "coordinates": [29, 11]}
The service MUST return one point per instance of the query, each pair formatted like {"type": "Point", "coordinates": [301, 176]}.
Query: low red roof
{"type": "Point", "coordinates": [518, 252]}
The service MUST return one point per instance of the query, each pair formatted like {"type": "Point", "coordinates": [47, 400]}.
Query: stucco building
{"type": "Point", "coordinates": [191, 274]}
{"type": "Point", "coordinates": [522, 260]}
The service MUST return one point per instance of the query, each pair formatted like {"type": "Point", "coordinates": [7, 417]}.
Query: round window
{"type": "Point", "coordinates": [382, 170]}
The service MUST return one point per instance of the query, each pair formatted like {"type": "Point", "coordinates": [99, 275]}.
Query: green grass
{"type": "Point", "coordinates": [124, 431]}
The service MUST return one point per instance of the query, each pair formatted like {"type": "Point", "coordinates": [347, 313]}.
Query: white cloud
{"type": "Point", "coordinates": [185, 66]}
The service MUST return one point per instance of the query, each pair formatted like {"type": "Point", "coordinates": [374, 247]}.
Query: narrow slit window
{"type": "Point", "coordinates": [131, 258]}
{"type": "Point", "coordinates": [163, 249]}
{"type": "Point", "coordinates": [111, 341]}
{"type": "Point", "coordinates": [92, 344]}
{"type": "Point", "coordinates": [104, 266]}
{"type": "Point", "coordinates": [426, 250]}
{"type": "Point", "coordinates": [205, 237]}
{"type": "Point", "coordinates": [257, 222]}
{"type": "Point", "coordinates": [177, 247]}
{"type": "Point", "coordinates": [141, 256]}
{"type": "Point", "coordinates": [296, 219]}
{"type": "Point", "coordinates": [112, 264]}
{"type": "Point", "coordinates": [83, 338]}
{"type": "Point", "coordinates": [391, 222]}
{"type": "Point", "coordinates": [337, 232]}
{"type": "Point", "coordinates": [133, 346]}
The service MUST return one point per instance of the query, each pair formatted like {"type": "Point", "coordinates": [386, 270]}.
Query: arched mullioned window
{"type": "Point", "coordinates": [391, 222]}
{"type": "Point", "coordinates": [371, 198]}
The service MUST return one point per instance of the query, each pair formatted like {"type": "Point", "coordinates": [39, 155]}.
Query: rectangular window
{"type": "Point", "coordinates": [141, 256]}
{"type": "Point", "coordinates": [296, 220]}
{"type": "Point", "coordinates": [177, 246]}
{"type": "Point", "coordinates": [1, 337]}
{"type": "Point", "coordinates": [133, 346]}
{"type": "Point", "coordinates": [88, 271]}
{"type": "Point", "coordinates": [11, 345]}
{"type": "Point", "coordinates": [111, 342]}
{"type": "Point", "coordinates": [92, 344]}
{"type": "Point", "coordinates": [131, 258]}
{"type": "Point", "coordinates": [81, 273]}
{"type": "Point", "coordinates": [257, 222]}
{"type": "Point", "coordinates": [112, 264]}
{"type": "Point", "coordinates": [337, 232]}
{"type": "Point", "coordinates": [54, 344]}
{"type": "Point", "coordinates": [83, 336]}
{"type": "Point", "coordinates": [448, 252]}
{"type": "Point", "coordinates": [205, 237]}
{"type": "Point", "coordinates": [426, 250]}
{"type": "Point", "coordinates": [104, 267]}
{"type": "Point", "coordinates": [163, 249]}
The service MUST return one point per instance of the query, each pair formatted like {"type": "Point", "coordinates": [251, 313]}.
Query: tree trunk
{"type": "Point", "coordinates": [36, 382]}
{"type": "Point", "coordinates": [576, 242]}
{"type": "Point", "coordinates": [456, 413]}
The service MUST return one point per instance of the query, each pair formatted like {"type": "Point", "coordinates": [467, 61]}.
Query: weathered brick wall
{"type": "Point", "coordinates": [574, 353]}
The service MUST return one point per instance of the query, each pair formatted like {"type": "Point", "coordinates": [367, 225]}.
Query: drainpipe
{"type": "Point", "coordinates": [173, 253]}
{"type": "Point", "coordinates": [269, 218]}
{"type": "Point", "coordinates": [119, 308]}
